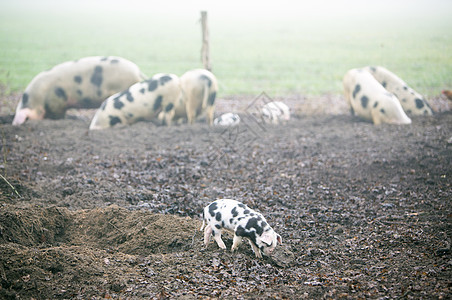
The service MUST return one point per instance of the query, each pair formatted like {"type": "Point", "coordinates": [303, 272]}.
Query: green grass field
{"type": "Point", "coordinates": [250, 54]}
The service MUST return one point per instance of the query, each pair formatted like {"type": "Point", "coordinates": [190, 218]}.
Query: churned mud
{"type": "Point", "coordinates": [364, 211]}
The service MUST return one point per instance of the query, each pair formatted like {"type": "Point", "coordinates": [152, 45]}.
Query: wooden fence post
{"type": "Point", "coordinates": [205, 52]}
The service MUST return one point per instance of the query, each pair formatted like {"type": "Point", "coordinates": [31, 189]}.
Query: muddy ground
{"type": "Point", "coordinates": [364, 211]}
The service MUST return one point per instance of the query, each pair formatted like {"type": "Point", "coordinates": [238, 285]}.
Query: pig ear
{"type": "Point", "coordinates": [279, 239]}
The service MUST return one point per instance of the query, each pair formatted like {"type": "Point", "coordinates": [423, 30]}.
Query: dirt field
{"type": "Point", "coordinates": [364, 211]}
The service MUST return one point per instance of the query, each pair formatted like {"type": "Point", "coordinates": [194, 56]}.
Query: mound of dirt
{"type": "Point", "coordinates": [363, 210]}
{"type": "Point", "coordinates": [132, 232]}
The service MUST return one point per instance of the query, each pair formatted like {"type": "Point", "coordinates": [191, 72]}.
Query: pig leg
{"type": "Point", "coordinates": [256, 250]}
{"type": "Point", "coordinates": [191, 114]}
{"type": "Point", "coordinates": [210, 113]}
{"type": "Point", "coordinates": [202, 226]}
{"type": "Point", "coordinates": [375, 117]}
{"type": "Point", "coordinates": [168, 115]}
{"type": "Point", "coordinates": [236, 242]}
{"type": "Point", "coordinates": [217, 237]}
{"type": "Point", "coordinates": [207, 233]}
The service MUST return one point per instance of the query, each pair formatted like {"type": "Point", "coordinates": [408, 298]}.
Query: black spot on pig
{"type": "Point", "coordinates": [241, 205]}
{"type": "Point", "coordinates": [60, 93]}
{"type": "Point", "coordinates": [114, 120]}
{"type": "Point", "coordinates": [78, 79]}
{"type": "Point", "coordinates": [117, 103]}
{"type": "Point", "coordinates": [404, 100]}
{"type": "Point", "coordinates": [25, 100]}
{"type": "Point", "coordinates": [96, 78]}
{"type": "Point", "coordinates": [105, 58]}
{"type": "Point", "coordinates": [246, 211]}
{"type": "Point", "coordinates": [251, 235]}
{"type": "Point", "coordinates": [217, 226]}
{"type": "Point", "coordinates": [364, 101]}
{"type": "Point", "coordinates": [129, 96]}
{"type": "Point", "coordinates": [382, 111]}
{"type": "Point", "coordinates": [158, 103]}
{"type": "Point", "coordinates": [356, 90]}
{"type": "Point", "coordinates": [205, 78]}
{"type": "Point", "coordinates": [114, 61]}
{"type": "Point", "coordinates": [231, 220]}
{"type": "Point", "coordinates": [405, 87]}
{"type": "Point", "coordinates": [234, 212]}
{"type": "Point", "coordinates": [152, 85]}
{"type": "Point", "coordinates": [252, 223]}
{"type": "Point", "coordinates": [419, 103]}
{"type": "Point", "coordinates": [218, 216]}
{"type": "Point", "coordinates": [373, 69]}
{"type": "Point", "coordinates": [375, 104]}
{"type": "Point", "coordinates": [142, 90]}
{"type": "Point", "coordinates": [169, 107]}
{"type": "Point", "coordinates": [211, 99]}
{"type": "Point", "coordinates": [86, 102]}
{"type": "Point", "coordinates": [384, 84]}
{"type": "Point", "coordinates": [164, 79]}
{"type": "Point", "coordinates": [212, 208]}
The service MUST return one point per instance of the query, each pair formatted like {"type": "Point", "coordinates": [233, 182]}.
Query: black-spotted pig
{"type": "Point", "coordinates": [412, 102]}
{"type": "Point", "coordinates": [149, 100]}
{"type": "Point", "coordinates": [368, 99]}
{"type": "Point", "coordinates": [243, 222]}
{"type": "Point", "coordinates": [83, 83]}
{"type": "Point", "coordinates": [200, 89]}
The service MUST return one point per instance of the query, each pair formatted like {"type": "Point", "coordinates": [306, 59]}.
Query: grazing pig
{"type": "Point", "coordinates": [149, 100]}
{"type": "Point", "coordinates": [243, 222]}
{"type": "Point", "coordinates": [369, 99]}
{"type": "Point", "coordinates": [200, 90]}
{"type": "Point", "coordinates": [83, 83]}
{"type": "Point", "coordinates": [227, 119]}
{"type": "Point", "coordinates": [412, 102]}
{"type": "Point", "coordinates": [276, 112]}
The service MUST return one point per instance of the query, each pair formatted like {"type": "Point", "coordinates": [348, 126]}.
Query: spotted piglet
{"type": "Point", "coordinates": [276, 112]}
{"type": "Point", "coordinates": [243, 222]}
